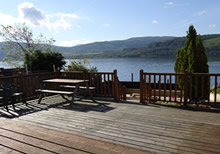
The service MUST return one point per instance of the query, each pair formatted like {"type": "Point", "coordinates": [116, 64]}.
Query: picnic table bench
{"type": "Point", "coordinates": [68, 83]}
{"type": "Point", "coordinates": [62, 93]}
{"type": "Point", "coordinates": [80, 87]}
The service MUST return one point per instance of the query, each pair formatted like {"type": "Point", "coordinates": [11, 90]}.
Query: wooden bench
{"type": "Point", "coordinates": [80, 87]}
{"type": "Point", "coordinates": [62, 93]}
{"type": "Point", "coordinates": [82, 90]}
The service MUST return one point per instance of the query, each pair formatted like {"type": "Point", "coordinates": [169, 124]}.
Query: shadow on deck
{"type": "Point", "coordinates": [84, 105]}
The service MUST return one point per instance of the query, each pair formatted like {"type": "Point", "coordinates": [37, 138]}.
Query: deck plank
{"type": "Point", "coordinates": [146, 127]}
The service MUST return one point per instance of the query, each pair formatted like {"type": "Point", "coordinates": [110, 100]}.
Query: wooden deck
{"type": "Point", "coordinates": [108, 128]}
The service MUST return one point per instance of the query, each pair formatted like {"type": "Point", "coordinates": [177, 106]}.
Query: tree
{"type": "Point", "coordinates": [81, 65]}
{"type": "Point", "coordinates": [38, 61]}
{"type": "Point", "coordinates": [192, 57]}
{"type": "Point", "coordinates": [19, 40]}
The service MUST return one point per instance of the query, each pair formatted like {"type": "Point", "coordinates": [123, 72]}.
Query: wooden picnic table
{"type": "Point", "coordinates": [73, 82]}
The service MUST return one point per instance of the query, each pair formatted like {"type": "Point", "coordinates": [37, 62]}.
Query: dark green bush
{"type": "Point", "coordinates": [44, 61]}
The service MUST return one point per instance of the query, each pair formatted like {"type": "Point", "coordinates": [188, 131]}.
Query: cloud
{"type": "Point", "coordinates": [200, 13]}
{"type": "Point", "coordinates": [28, 13]}
{"type": "Point", "coordinates": [73, 42]}
{"type": "Point", "coordinates": [7, 19]}
{"type": "Point", "coordinates": [106, 25]}
{"type": "Point", "coordinates": [168, 4]}
{"type": "Point", "coordinates": [154, 22]}
{"type": "Point", "coordinates": [212, 26]}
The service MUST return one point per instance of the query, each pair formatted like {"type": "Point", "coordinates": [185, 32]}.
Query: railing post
{"type": "Point", "coordinates": [124, 93]}
{"type": "Point", "coordinates": [85, 75]}
{"type": "Point", "coordinates": [141, 86]}
{"type": "Point", "coordinates": [116, 86]}
{"type": "Point", "coordinates": [185, 87]}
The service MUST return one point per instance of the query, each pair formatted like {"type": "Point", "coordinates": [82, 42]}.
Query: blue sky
{"type": "Point", "coordinates": [72, 22]}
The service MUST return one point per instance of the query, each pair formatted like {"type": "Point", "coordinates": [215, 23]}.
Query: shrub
{"type": "Point", "coordinates": [38, 61]}
{"type": "Point", "coordinates": [81, 65]}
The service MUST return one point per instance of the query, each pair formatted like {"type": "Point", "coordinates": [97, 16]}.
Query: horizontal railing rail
{"type": "Point", "coordinates": [199, 88]}
{"type": "Point", "coordinates": [104, 82]}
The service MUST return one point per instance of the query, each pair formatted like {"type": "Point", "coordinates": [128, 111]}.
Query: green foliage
{"type": "Point", "coordinates": [20, 40]}
{"type": "Point", "coordinates": [38, 61]}
{"type": "Point", "coordinates": [192, 57]}
{"type": "Point", "coordinates": [81, 65]}
{"type": "Point", "coordinates": [212, 90]}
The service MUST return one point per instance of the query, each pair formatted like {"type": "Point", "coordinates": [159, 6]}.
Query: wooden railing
{"type": "Point", "coordinates": [193, 88]}
{"type": "Point", "coordinates": [106, 83]}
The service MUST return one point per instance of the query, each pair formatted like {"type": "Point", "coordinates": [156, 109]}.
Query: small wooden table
{"type": "Point", "coordinates": [74, 82]}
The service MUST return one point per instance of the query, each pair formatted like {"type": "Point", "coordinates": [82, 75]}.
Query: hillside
{"type": "Point", "coordinates": [104, 47]}
{"type": "Point", "coordinates": [166, 48]}
{"type": "Point", "coordinates": [136, 47]}
{"type": "Point", "coordinates": [109, 46]}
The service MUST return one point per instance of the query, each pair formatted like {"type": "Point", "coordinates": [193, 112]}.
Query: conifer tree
{"type": "Point", "coordinates": [192, 57]}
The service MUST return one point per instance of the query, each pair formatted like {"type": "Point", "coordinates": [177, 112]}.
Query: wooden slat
{"type": "Point", "coordinates": [209, 90]}
{"type": "Point", "coordinates": [190, 87]}
{"type": "Point", "coordinates": [154, 87]}
{"type": "Point", "coordinates": [215, 94]}
{"type": "Point", "coordinates": [196, 86]}
{"type": "Point", "coordinates": [175, 87]}
{"type": "Point", "coordinates": [170, 88]}
{"type": "Point", "coordinates": [203, 87]}
{"type": "Point", "coordinates": [97, 77]}
{"type": "Point", "coordinates": [181, 94]}
{"type": "Point", "coordinates": [104, 84]}
{"type": "Point", "coordinates": [165, 86]}
{"type": "Point", "coordinates": [113, 85]}
{"type": "Point", "coordinates": [101, 85]}
{"type": "Point", "coordinates": [108, 85]}
{"type": "Point", "coordinates": [159, 86]}
{"type": "Point", "coordinates": [144, 88]}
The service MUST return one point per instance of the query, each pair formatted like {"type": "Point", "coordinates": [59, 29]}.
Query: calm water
{"type": "Point", "coordinates": [126, 66]}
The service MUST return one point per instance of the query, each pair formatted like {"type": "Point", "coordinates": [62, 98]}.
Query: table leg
{"type": "Point", "coordinates": [90, 93]}
{"type": "Point", "coordinates": [41, 94]}
{"type": "Point", "coordinates": [40, 98]}
{"type": "Point", "coordinates": [74, 94]}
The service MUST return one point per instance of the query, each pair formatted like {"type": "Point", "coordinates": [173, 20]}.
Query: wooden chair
{"type": "Point", "coordinates": [11, 92]}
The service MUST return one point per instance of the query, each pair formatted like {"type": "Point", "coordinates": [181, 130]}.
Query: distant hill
{"type": "Point", "coordinates": [106, 46]}
{"type": "Point", "coordinates": [136, 47]}
{"type": "Point", "coordinates": [166, 48]}
{"type": "Point", "coordinates": [109, 46]}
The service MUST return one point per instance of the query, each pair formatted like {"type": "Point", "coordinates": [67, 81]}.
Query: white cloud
{"type": "Point", "coordinates": [33, 16]}
{"type": "Point", "coordinates": [200, 13]}
{"type": "Point", "coordinates": [67, 15]}
{"type": "Point", "coordinates": [28, 12]}
{"type": "Point", "coordinates": [7, 19]}
{"type": "Point", "coordinates": [106, 25]}
{"type": "Point", "coordinates": [212, 26]}
{"type": "Point", "coordinates": [73, 42]}
{"type": "Point", "coordinates": [154, 22]}
{"type": "Point", "coordinates": [168, 4]}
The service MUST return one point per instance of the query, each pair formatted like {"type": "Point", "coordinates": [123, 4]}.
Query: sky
{"type": "Point", "coordinates": [74, 22]}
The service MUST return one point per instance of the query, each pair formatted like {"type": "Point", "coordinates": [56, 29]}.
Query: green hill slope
{"type": "Point", "coordinates": [168, 48]}
{"type": "Point", "coordinates": [137, 47]}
